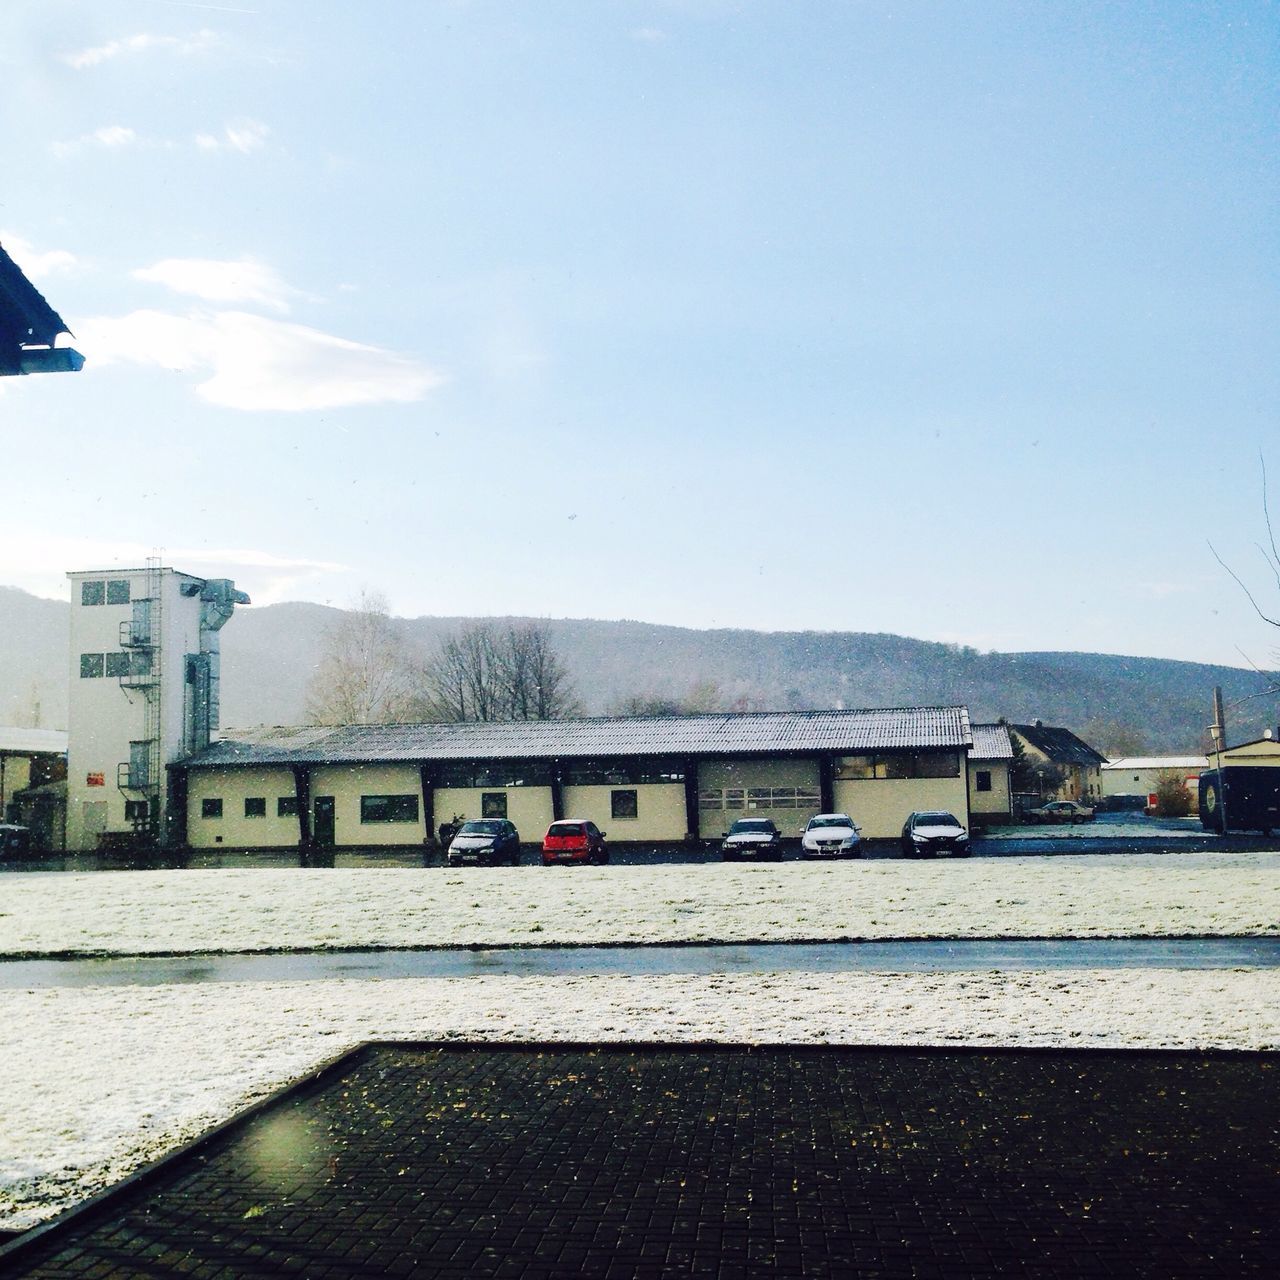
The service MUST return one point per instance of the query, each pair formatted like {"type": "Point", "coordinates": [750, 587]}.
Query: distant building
{"type": "Point", "coordinates": [28, 758]}
{"type": "Point", "coordinates": [642, 779]}
{"type": "Point", "coordinates": [144, 692]}
{"type": "Point", "coordinates": [1140, 775]}
{"type": "Point", "coordinates": [990, 787]}
{"type": "Point", "coordinates": [1081, 764]}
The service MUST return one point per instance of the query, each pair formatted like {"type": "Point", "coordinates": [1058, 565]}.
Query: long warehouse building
{"type": "Point", "coordinates": [645, 779]}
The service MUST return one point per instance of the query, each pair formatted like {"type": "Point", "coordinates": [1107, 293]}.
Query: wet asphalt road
{"type": "Point", "coordinates": [822, 957]}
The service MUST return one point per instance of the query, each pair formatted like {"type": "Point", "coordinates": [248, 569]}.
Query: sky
{"type": "Point", "coordinates": [953, 321]}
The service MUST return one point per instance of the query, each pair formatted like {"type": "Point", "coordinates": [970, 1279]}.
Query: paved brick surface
{"type": "Point", "coordinates": [487, 1161]}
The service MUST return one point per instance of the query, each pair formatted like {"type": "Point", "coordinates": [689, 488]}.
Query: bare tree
{"type": "Point", "coordinates": [483, 673]}
{"type": "Point", "coordinates": [1270, 554]}
{"type": "Point", "coordinates": [702, 697]}
{"type": "Point", "coordinates": [365, 674]}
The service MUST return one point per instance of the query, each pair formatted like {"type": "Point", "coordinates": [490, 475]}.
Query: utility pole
{"type": "Point", "coordinates": [1218, 729]}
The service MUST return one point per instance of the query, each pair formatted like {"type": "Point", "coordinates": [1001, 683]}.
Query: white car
{"type": "Point", "coordinates": [831, 835]}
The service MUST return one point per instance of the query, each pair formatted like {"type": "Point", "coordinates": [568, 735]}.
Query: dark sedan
{"type": "Point", "coordinates": [925, 835]}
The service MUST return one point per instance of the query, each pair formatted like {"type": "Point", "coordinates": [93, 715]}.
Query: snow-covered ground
{"type": "Point", "coordinates": [138, 912]}
{"type": "Point", "coordinates": [99, 1080]}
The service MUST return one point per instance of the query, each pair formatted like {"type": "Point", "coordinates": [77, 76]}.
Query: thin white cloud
{"type": "Point", "coordinates": [214, 280]}
{"type": "Point", "coordinates": [648, 35]}
{"type": "Point", "coordinates": [143, 42]}
{"type": "Point", "coordinates": [37, 264]}
{"type": "Point", "coordinates": [40, 564]}
{"type": "Point", "coordinates": [243, 136]}
{"type": "Point", "coordinates": [256, 363]}
{"type": "Point", "coordinates": [112, 137]}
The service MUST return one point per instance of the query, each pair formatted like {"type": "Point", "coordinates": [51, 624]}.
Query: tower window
{"type": "Point", "coordinates": [255, 806]}
{"type": "Point", "coordinates": [93, 592]}
{"type": "Point", "coordinates": [91, 665]}
{"type": "Point", "coordinates": [211, 808]}
{"type": "Point", "coordinates": [117, 590]}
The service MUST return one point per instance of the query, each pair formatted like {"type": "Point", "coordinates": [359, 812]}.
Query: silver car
{"type": "Point", "coordinates": [831, 835]}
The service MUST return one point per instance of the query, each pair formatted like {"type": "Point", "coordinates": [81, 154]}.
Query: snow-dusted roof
{"type": "Point", "coordinates": [991, 742]}
{"type": "Point", "coordinates": [1059, 745]}
{"type": "Point", "coordinates": [33, 741]}
{"type": "Point", "coordinates": [729, 734]}
{"type": "Point", "coordinates": [1159, 762]}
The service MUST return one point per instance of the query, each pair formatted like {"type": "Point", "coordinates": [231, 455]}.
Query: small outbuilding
{"type": "Point", "coordinates": [990, 787]}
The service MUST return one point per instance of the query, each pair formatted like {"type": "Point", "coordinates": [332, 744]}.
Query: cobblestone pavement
{"type": "Point", "coordinates": [558, 1161]}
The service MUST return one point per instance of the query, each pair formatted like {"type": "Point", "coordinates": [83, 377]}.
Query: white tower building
{"type": "Point", "coordinates": [144, 692]}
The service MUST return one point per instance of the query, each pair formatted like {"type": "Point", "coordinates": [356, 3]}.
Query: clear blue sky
{"type": "Point", "coordinates": [954, 321]}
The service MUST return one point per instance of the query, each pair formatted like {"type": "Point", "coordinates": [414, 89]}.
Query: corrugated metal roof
{"type": "Point", "coordinates": [1159, 762]}
{"type": "Point", "coordinates": [33, 741]}
{"type": "Point", "coordinates": [730, 734]}
{"type": "Point", "coordinates": [991, 742]}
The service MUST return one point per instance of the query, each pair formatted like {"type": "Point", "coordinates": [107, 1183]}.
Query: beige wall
{"type": "Point", "coordinates": [997, 800]}
{"type": "Point", "coordinates": [233, 829]}
{"type": "Point", "coordinates": [660, 810]}
{"type": "Point", "coordinates": [15, 775]}
{"type": "Point", "coordinates": [1142, 782]}
{"type": "Point", "coordinates": [347, 783]}
{"type": "Point", "coordinates": [528, 807]}
{"type": "Point", "coordinates": [715, 775]}
{"type": "Point", "coordinates": [880, 805]}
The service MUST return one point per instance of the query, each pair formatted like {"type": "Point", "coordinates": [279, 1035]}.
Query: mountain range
{"type": "Point", "coordinates": [1122, 705]}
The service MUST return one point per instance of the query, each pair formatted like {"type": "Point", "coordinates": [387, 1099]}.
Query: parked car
{"type": "Point", "coordinates": [485, 840]}
{"type": "Point", "coordinates": [574, 840]}
{"type": "Point", "coordinates": [831, 835]}
{"type": "Point", "coordinates": [752, 838]}
{"type": "Point", "coordinates": [15, 840]}
{"type": "Point", "coordinates": [1060, 811]}
{"type": "Point", "coordinates": [925, 835]}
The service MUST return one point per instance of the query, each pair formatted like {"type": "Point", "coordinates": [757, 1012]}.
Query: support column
{"type": "Point", "coordinates": [692, 814]}
{"type": "Point", "coordinates": [557, 791]}
{"type": "Point", "coordinates": [826, 784]}
{"type": "Point", "coordinates": [428, 803]}
{"type": "Point", "coordinates": [302, 793]}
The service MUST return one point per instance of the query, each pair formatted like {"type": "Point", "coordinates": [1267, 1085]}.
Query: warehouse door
{"type": "Point", "coordinates": [324, 822]}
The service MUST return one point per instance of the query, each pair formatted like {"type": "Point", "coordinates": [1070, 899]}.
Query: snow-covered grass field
{"type": "Point", "coordinates": [124, 913]}
{"type": "Point", "coordinates": [99, 1080]}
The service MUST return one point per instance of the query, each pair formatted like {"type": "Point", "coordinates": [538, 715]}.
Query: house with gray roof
{"type": "Point", "coordinates": [1080, 763]}
{"type": "Point", "coordinates": [649, 779]}
{"type": "Point", "coordinates": [990, 785]}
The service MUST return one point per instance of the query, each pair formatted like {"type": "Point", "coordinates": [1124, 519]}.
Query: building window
{"type": "Point", "coordinates": [603, 773]}
{"type": "Point", "coordinates": [136, 810]}
{"type": "Point", "coordinates": [255, 807]}
{"type": "Point", "coordinates": [117, 664]}
{"type": "Point", "coordinates": [287, 807]}
{"type": "Point", "coordinates": [982, 780]}
{"type": "Point", "coordinates": [493, 804]}
{"type": "Point", "coordinates": [388, 808]}
{"type": "Point", "coordinates": [900, 764]}
{"type": "Point", "coordinates": [211, 808]}
{"type": "Point", "coordinates": [624, 804]}
{"type": "Point", "coordinates": [503, 773]}
{"type": "Point", "coordinates": [90, 666]}
{"type": "Point", "coordinates": [93, 592]}
{"type": "Point", "coordinates": [117, 590]}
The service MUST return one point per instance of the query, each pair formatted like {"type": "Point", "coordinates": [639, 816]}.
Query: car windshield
{"type": "Point", "coordinates": [481, 828]}
{"type": "Point", "coordinates": [837, 820]}
{"type": "Point", "coordinates": [567, 829]}
{"type": "Point", "coordinates": [750, 826]}
{"type": "Point", "coordinates": [935, 820]}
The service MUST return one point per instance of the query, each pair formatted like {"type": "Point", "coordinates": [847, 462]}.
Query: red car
{"type": "Point", "coordinates": [574, 840]}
